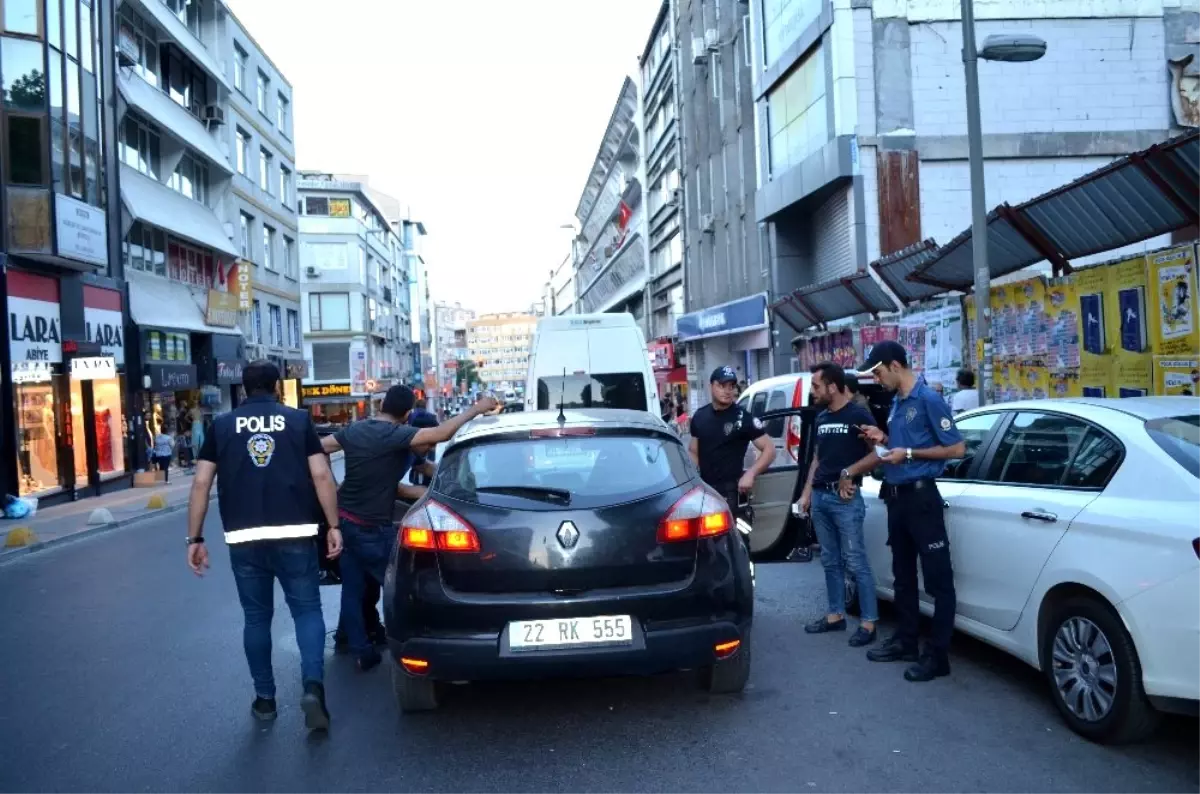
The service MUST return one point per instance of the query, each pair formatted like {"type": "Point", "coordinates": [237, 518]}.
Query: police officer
{"type": "Point", "coordinates": [921, 437]}
{"type": "Point", "coordinates": [721, 432]}
{"type": "Point", "coordinates": [273, 473]}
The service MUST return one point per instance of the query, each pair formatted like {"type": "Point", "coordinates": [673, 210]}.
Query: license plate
{"type": "Point", "coordinates": [602, 630]}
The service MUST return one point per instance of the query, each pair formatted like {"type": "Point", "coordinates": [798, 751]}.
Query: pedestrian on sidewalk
{"type": "Point", "coordinates": [379, 451]}
{"type": "Point", "coordinates": [833, 498]}
{"type": "Point", "coordinates": [164, 444]}
{"type": "Point", "coordinates": [273, 483]}
{"type": "Point", "coordinates": [922, 436]}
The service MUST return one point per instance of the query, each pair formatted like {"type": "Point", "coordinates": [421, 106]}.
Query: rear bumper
{"type": "Point", "coordinates": [1164, 622]}
{"type": "Point", "coordinates": [488, 657]}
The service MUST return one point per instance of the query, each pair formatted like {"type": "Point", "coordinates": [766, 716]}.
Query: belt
{"type": "Point", "coordinates": [833, 486]}
{"type": "Point", "coordinates": [889, 489]}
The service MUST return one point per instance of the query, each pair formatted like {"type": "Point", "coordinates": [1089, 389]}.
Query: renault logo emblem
{"type": "Point", "coordinates": [568, 535]}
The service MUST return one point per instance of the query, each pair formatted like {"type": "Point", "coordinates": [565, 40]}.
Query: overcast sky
{"type": "Point", "coordinates": [484, 116]}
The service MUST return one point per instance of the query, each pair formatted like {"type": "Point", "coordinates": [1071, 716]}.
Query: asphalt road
{"type": "Point", "coordinates": [121, 671]}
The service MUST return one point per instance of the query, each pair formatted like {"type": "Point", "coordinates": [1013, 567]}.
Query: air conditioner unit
{"type": "Point", "coordinates": [214, 114]}
{"type": "Point", "coordinates": [707, 223]}
{"type": "Point", "coordinates": [312, 272]}
{"type": "Point", "coordinates": [699, 52]}
{"type": "Point", "coordinates": [712, 38]}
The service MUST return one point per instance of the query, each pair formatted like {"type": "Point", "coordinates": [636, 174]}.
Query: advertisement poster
{"type": "Point", "coordinates": [1035, 382]}
{"type": "Point", "coordinates": [933, 343]}
{"type": "Point", "coordinates": [1062, 322]}
{"type": "Point", "coordinates": [1095, 363]}
{"type": "Point", "coordinates": [1026, 326]}
{"type": "Point", "coordinates": [1132, 375]}
{"type": "Point", "coordinates": [867, 337]}
{"type": "Point", "coordinates": [1065, 384]}
{"type": "Point", "coordinates": [950, 353]}
{"type": "Point", "coordinates": [1172, 282]}
{"type": "Point", "coordinates": [1176, 376]}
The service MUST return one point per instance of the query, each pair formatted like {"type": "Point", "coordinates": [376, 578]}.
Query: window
{"type": "Point", "coordinates": [243, 151]}
{"type": "Point", "coordinates": [256, 316]}
{"type": "Point", "coordinates": [184, 82]}
{"type": "Point", "coordinates": [188, 12]}
{"type": "Point", "coordinates": [22, 16]}
{"type": "Point", "coordinates": [1036, 449]}
{"type": "Point", "coordinates": [1094, 461]}
{"type": "Point", "coordinates": [167, 346]}
{"type": "Point", "coordinates": [610, 390]}
{"type": "Point", "coordinates": [145, 249]}
{"type": "Point", "coordinates": [276, 325]}
{"type": "Point", "coordinates": [316, 205]}
{"type": "Point", "coordinates": [240, 59]}
{"type": "Point", "coordinates": [139, 146]}
{"type": "Point", "coordinates": [329, 311]}
{"type": "Point", "coordinates": [1179, 437]}
{"type": "Point", "coordinates": [289, 257]}
{"type": "Point", "coordinates": [264, 170]}
{"type": "Point", "coordinates": [797, 114]}
{"type": "Point", "coordinates": [264, 85]}
{"type": "Point", "coordinates": [189, 265]}
{"type": "Point", "coordinates": [974, 430]}
{"type": "Point", "coordinates": [191, 178]}
{"type": "Point", "coordinates": [282, 109]}
{"type": "Point", "coordinates": [135, 37]}
{"type": "Point", "coordinates": [246, 222]}
{"type": "Point", "coordinates": [331, 360]}
{"type": "Point", "coordinates": [293, 324]}
{"type": "Point", "coordinates": [285, 185]}
{"type": "Point", "coordinates": [268, 247]}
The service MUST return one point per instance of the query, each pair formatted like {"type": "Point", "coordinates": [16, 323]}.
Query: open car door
{"type": "Point", "coordinates": [775, 530]}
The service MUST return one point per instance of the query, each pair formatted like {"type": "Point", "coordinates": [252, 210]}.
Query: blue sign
{"type": "Point", "coordinates": [745, 314]}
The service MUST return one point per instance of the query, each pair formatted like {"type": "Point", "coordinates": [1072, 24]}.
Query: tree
{"type": "Point", "coordinates": [28, 92]}
{"type": "Point", "coordinates": [465, 373]}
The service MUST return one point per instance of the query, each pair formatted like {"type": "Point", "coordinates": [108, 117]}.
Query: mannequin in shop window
{"type": "Point", "coordinates": [104, 446]}
{"type": "Point", "coordinates": [197, 429]}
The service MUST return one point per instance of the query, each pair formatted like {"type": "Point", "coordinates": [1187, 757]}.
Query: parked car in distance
{"type": "Point", "coordinates": [1074, 530]}
{"type": "Point", "coordinates": [560, 545]}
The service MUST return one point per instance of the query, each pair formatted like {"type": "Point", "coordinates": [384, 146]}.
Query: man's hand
{"type": "Point", "coordinates": [846, 489]}
{"type": "Point", "coordinates": [805, 503]}
{"type": "Point", "coordinates": [873, 434]}
{"type": "Point", "coordinates": [197, 558]}
{"type": "Point", "coordinates": [746, 483]}
{"type": "Point", "coordinates": [333, 543]}
{"type": "Point", "coordinates": [485, 405]}
{"type": "Point", "coordinates": [895, 456]}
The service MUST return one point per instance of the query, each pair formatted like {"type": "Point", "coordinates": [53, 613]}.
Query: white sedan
{"type": "Point", "coordinates": [1075, 539]}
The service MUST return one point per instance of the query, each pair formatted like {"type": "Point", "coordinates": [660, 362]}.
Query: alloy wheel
{"type": "Point", "coordinates": [1085, 669]}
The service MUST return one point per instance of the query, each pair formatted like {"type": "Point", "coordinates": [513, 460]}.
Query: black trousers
{"type": "Point", "coordinates": [917, 530]}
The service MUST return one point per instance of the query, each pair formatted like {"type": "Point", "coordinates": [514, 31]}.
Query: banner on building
{"type": "Point", "coordinates": [222, 310]}
{"type": "Point", "coordinates": [243, 285]}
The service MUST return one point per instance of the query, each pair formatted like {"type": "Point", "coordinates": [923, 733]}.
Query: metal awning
{"type": "Point", "coordinates": [1135, 198]}
{"type": "Point", "coordinates": [894, 269]}
{"type": "Point", "coordinates": [833, 300]}
{"type": "Point", "coordinates": [152, 202]}
{"type": "Point", "coordinates": [156, 302]}
{"type": "Point", "coordinates": [171, 117]}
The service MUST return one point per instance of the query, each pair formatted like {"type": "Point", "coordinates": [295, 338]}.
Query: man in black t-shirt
{"type": "Point", "coordinates": [721, 432]}
{"type": "Point", "coordinates": [832, 496]}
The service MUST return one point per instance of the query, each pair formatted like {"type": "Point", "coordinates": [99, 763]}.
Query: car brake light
{"type": "Point", "coordinates": [434, 526]}
{"type": "Point", "coordinates": [414, 666]}
{"type": "Point", "coordinates": [701, 513]}
{"type": "Point", "coordinates": [792, 441]}
{"type": "Point", "coordinates": [562, 432]}
{"type": "Point", "coordinates": [723, 650]}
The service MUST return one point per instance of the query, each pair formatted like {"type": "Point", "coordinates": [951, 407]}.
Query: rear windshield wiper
{"type": "Point", "coordinates": [561, 495]}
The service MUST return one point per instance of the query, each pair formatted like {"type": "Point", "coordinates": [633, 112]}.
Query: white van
{"type": "Point", "coordinates": [590, 361]}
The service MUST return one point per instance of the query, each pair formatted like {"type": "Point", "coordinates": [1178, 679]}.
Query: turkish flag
{"type": "Point", "coordinates": [623, 215]}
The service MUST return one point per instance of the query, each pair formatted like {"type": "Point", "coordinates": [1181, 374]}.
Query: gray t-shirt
{"type": "Point", "coordinates": [377, 458]}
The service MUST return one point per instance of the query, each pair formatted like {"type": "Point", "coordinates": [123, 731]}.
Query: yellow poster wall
{"type": "Point", "coordinates": [1171, 294]}
{"type": "Point", "coordinates": [1177, 375]}
{"type": "Point", "coordinates": [1095, 361]}
{"type": "Point", "coordinates": [1124, 316]}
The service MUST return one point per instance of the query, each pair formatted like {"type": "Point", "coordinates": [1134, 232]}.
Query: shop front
{"type": "Point", "coordinates": [333, 404]}
{"type": "Point", "coordinates": [295, 370]}
{"type": "Point", "coordinates": [735, 334]}
{"type": "Point", "coordinates": [669, 374]}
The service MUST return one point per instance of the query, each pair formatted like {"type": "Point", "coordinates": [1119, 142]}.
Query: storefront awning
{"type": "Point", "coordinates": [833, 300]}
{"type": "Point", "coordinates": [172, 117]}
{"type": "Point", "coordinates": [895, 268]}
{"type": "Point", "coordinates": [152, 202]}
{"type": "Point", "coordinates": [158, 303]}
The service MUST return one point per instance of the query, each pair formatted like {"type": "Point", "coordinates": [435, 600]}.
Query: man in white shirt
{"type": "Point", "coordinates": [967, 397]}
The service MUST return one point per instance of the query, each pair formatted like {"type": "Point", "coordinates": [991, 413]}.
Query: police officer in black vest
{"type": "Point", "coordinates": [921, 437]}
{"type": "Point", "coordinates": [273, 484]}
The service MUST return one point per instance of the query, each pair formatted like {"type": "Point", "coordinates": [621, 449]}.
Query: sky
{"type": "Point", "coordinates": [484, 116]}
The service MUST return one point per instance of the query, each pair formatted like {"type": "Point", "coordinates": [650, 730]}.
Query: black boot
{"type": "Point", "coordinates": [895, 649]}
{"type": "Point", "coordinates": [933, 664]}
{"type": "Point", "coordinates": [264, 709]}
{"type": "Point", "coordinates": [316, 716]}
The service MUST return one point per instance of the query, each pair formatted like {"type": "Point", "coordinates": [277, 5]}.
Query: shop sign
{"type": "Point", "coordinates": [31, 372]}
{"type": "Point", "coordinates": [229, 372]}
{"type": "Point", "coordinates": [172, 377]}
{"type": "Point", "coordinates": [93, 368]}
{"type": "Point", "coordinates": [243, 286]}
{"type": "Point", "coordinates": [80, 230]}
{"type": "Point", "coordinates": [325, 390]}
{"type": "Point", "coordinates": [222, 308]}
{"type": "Point", "coordinates": [746, 314]}
{"type": "Point", "coordinates": [662, 356]}
{"type": "Point", "coordinates": [34, 330]}
{"type": "Point", "coordinates": [295, 368]}
{"type": "Point", "coordinates": [103, 323]}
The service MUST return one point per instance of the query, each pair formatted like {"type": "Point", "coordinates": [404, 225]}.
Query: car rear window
{"type": "Point", "coordinates": [1179, 437]}
{"type": "Point", "coordinates": [610, 390]}
{"type": "Point", "coordinates": [596, 470]}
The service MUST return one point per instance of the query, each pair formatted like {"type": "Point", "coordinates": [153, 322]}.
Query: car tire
{"type": "Point", "coordinates": [853, 608]}
{"type": "Point", "coordinates": [1078, 628]}
{"type": "Point", "coordinates": [729, 676]}
{"type": "Point", "coordinates": [413, 694]}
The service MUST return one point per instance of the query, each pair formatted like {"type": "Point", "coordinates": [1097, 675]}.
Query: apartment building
{"type": "Point", "coordinates": [450, 341]}
{"type": "Point", "coordinates": [499, 346]}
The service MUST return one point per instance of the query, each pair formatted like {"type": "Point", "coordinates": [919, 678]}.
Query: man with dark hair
{"type": "Point", "coordinates": [966, 398]}
{"type": "Point", "coordinates": [922, 437]}
{"type": "Point", "coordinates": [831, 495]}
{"type": "Point", "coordinates": [378, 454]}
{"type": "Point", "coordinates": [272, 475]}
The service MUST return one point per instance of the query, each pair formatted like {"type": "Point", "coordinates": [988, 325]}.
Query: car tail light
{"type": "Point", "coordinates": [723, 650]}
{"type": "Point", "coordinates": [792, 441]}
{"type": "Point", "coordinates": [434, 526]}
{"type": "Point", "coordinates": [701, 513]}
{"type": "Point", "coordinates": [562, 432]}
{"type": "Point", "coordinates": [414, 666]}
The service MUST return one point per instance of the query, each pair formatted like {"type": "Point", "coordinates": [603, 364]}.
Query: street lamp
{"type": "Point", "coordinates": [1010, 48]}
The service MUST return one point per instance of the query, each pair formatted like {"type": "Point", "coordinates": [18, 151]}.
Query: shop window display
{"type": "Point", "coordinates": [37, 451]}
{"type": "Point", "coordinates": [109, 421]}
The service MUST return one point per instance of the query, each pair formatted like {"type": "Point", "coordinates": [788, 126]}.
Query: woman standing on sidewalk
{"type": "Point", "coordinates": [163, 444]}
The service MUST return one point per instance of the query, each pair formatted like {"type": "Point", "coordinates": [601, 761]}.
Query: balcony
{"type": "Point", "coordinates": [174, 31]}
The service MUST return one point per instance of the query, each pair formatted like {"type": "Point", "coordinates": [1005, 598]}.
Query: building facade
{"type": "Point", "coordinates": [560, 289]}
{"type": "Point", "coordinates": [353, 273]}
{"type": "Point", "coordinates": [449, 326]}
{"type": "Point", "coordinates": [499, 345]}
{"type": "Point", "coordinates": [725, 278]}
{"type": "Point", "coordinates": [65, 413]}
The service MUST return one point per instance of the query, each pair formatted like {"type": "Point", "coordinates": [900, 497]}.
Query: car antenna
{"type": "Point", "coordinates": [562, 398]}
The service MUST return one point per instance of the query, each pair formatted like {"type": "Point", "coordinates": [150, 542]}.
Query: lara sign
{"type": "Point", "coordinates": [34, 329]}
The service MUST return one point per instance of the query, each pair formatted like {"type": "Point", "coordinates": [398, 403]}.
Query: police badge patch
{"type": "Point", "coordinates": [910, 414]}
{"type": "Point", "coordinates": [728, 428]}
{"type": "Point", "coordinates": [261, 448]}
{"type": "Point", "coordinates": [758, 425]}
{"type": "Point", "coordinates": [945, 423]}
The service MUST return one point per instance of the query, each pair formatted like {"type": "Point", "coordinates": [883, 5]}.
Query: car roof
{"type": "Point", "coordinates": [1145, 408]}
{"type": "Point", "coordinates": [777, 380]}
{"type": "Point", "coordinates": [520, 421]}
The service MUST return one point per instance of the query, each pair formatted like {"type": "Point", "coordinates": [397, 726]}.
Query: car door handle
{"type": "Point", "coordinates": [1040, 515]}
{"type": "Point", "coordinates": [945, 505]}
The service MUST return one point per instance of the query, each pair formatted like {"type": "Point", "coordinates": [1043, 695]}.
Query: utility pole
{"type": "Point", "coordinates": [979, 230]}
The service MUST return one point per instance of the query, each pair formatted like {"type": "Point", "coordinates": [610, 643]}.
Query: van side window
{"type": "Point", "coordinates": [778, 401]}
{"type": "Point", "coordinates": [758, 405]}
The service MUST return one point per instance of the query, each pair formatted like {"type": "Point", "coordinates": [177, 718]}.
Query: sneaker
{"type": "Point", "coordinates": [316, 716]}
{"type": "Point", "coordinates": [862, 637]}
{"type": "Point", "coordinates": [894, 650]}
{"type": "Point", "coordinates": [369, 660]}
{"type": "Point", "coordinates": [933, 664]}
{"type": "Point", "coordinates": [264, 709]}
{"type": "Point", "coordinates": [822, 625]}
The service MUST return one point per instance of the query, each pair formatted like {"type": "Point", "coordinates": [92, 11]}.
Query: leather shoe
{"type": "Point", "coordinates": [822, 625]}
{"type": "Point", "coordinates": [932, 665]}
{"type": "Point", "coordinates": [894, 650]}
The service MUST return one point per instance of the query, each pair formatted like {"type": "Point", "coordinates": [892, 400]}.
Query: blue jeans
{"type": "Point", "coordinates": [839, 527]}
{"type": "Point", "coordinates": [256, 566]}
{"type": "Point", "coordinates": [366, 554]}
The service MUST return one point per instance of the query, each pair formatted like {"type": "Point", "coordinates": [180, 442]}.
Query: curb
{"type": "Point", "coordinates": [9, 555]}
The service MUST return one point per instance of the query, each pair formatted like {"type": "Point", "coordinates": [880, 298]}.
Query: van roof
{"type": "Point", "coordinates": [575, 322]}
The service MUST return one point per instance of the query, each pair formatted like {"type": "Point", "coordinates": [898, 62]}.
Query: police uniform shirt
{"type": "Point", "coordinates": [919, 421]}
{"type": "Point", "coordinates": [264, 487]}
{"type": "Point", "coordinates": [723, 438]}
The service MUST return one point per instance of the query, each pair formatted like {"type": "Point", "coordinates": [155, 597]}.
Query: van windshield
{"type": "Point", "coordinates": [610, 390]}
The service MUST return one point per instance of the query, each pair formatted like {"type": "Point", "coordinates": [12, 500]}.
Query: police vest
{"type": "Point", "coordinates": [264, 488]}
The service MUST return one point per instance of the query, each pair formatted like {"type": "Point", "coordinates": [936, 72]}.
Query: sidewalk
{"type": "Point", "coordinates": [54, 525]}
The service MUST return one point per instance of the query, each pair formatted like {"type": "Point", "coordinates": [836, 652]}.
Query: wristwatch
{"type": "Point", "coordinates": [193, 541]}
{"type": "Point", "coordinates": [845, 474]}
{"type": "Point", "coordinates": [908, 455]}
